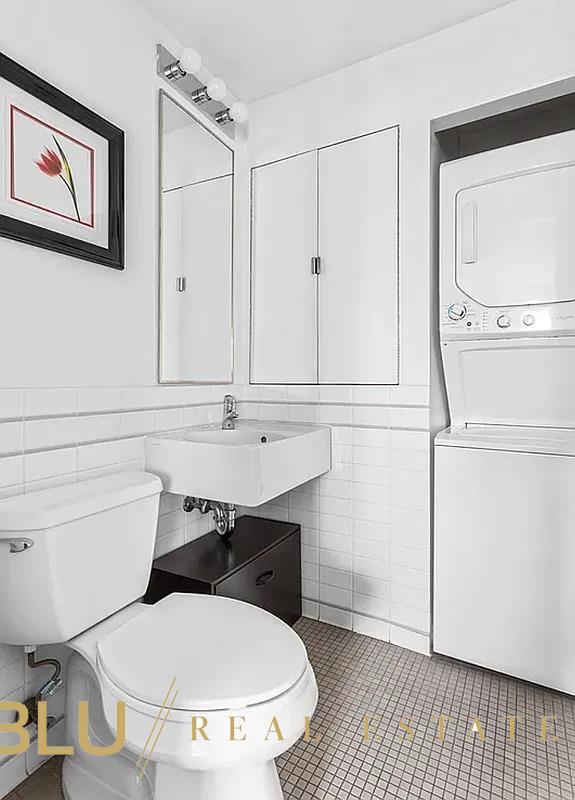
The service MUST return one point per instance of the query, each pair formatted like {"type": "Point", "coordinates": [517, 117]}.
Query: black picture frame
{"type": "Point", "coordinates": [12, 228]}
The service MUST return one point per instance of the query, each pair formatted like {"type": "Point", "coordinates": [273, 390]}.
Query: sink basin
{"type": "Point", "coordinates": [247, 466]}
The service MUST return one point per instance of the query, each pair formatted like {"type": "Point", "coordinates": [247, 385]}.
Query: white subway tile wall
{"type": "Point", "coordinates": [50, 437]}
{"type": "Point", "coordinates": [365, 524]}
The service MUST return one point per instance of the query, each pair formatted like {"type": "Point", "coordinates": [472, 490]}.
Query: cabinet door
{"type": "Point", "coordinates": [197, 245]}
{"type": "Point", "coordinates": [284, 291]}
{"type": "Point", "coordinates": [272, 581]}
{"type": "Point", "coordinates": [358, 245]}
{"type": "Point", "coordinates": [206, 323]}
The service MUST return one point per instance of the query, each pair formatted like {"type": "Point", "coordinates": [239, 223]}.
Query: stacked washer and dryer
{"type": "Point", "coordinates": [504, 556]}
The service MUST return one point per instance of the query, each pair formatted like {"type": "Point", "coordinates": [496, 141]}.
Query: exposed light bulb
{"type": "Point", "coordinates": [217, 89]}
{"type": "Point", "coordinates": [190, 60]}
{"type": "Point", "coordinates": [239, 112]}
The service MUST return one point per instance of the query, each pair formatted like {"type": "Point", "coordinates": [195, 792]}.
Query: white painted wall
{"type": "Point", "coordinates": [376, 502]}
{"type": "Point", "coordinates": [64, 321]}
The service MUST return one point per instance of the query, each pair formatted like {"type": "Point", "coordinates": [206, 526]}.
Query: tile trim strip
{"type": "Point", "coordinates": [106, 412]}
{"type": "Point", "coordinates": [369, 616]}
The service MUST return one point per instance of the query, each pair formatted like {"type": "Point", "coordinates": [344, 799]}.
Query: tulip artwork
{"type": "Point", "coordinates": [61, 171]}
{"type": "Point", "coordinates": [53, 166]}
{"type": "Point", "coordinates": [49, 163]}
{"type": "Point", "coordinates": [53, 170]}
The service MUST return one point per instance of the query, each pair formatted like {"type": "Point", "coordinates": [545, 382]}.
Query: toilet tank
{"type": "Point", "coordinates": [73, 555]}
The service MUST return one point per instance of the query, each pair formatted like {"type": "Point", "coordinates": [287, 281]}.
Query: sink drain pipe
{"type": "Point", "coordinates": [224, 513]}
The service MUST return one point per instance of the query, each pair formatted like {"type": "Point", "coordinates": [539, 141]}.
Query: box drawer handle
{"type": "Point", "coordinates": [265, 577]}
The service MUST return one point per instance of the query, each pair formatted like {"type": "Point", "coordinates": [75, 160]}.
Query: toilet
{"type": "Point", "coordinates": [214, 689]}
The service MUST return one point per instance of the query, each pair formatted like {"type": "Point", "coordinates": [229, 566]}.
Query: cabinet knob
{"type": "Point", "coordinates": [315, 265]}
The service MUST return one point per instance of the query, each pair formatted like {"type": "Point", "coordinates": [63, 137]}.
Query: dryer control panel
{"type": "Point", "coordinates": [462, 318]}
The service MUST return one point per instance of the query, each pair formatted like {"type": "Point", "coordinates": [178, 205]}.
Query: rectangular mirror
{"type": "Point", "coordinates": [196, 187]}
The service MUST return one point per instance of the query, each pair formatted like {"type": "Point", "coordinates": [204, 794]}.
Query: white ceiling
{"type": "Point", "coordinates": [264, 46]}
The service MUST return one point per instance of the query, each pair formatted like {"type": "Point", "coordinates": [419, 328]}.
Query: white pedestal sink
{"type": "Point", "coordinates": [247, 466]}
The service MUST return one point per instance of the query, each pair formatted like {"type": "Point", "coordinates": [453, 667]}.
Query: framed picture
{"type": "Point", "coordinates": [61, 171]}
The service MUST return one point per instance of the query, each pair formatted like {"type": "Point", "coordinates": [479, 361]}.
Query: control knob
{"type": "Point", "coordinates": [503, 321]}
{"type": "Point", "coordinates": [456, 311]}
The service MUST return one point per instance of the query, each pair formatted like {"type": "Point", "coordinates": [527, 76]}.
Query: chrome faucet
{"type": "Point", "coordinates": [230, 413]}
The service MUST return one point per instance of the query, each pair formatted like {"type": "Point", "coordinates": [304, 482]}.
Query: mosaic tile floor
{"type": "Point", "coordinates": [361, 677]}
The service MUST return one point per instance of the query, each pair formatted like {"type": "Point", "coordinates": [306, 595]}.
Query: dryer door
{"type": "Point", "coordinates": [516, 238]}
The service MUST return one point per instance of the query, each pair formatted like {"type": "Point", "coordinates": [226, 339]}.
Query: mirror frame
{"type": "Point", "coordinates": [162, 95]}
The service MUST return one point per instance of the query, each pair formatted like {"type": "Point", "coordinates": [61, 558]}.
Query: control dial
{"type": "Point", "coordinates": [456, 311]}
{"type": "Point", "coordinates": [503, 321]}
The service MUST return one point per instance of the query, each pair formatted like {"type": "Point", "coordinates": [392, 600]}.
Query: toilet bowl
{"type": "Point", "coordinates": [236, 672]}
{"type": "Point", "coordinates": [213, 689]}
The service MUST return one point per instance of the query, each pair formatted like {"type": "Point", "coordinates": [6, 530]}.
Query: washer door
{"type": "Point", "coordinates": [504, 552]}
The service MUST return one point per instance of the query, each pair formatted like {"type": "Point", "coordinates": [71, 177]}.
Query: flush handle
{"type": "Point", "coordinates": [18, 545]}
{"type": "Point", "coordinates": [265, 577]}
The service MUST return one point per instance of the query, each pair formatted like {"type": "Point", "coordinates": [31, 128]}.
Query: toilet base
{"type": "Point", "coordinates": [89, 777]}
{"type": "Point", "coordinates": [258, 781]}
{"type": "Point", "coordinates": [103, 779]}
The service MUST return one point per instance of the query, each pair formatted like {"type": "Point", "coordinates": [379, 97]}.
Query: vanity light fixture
{"type": "Point", "coordinates": [216, 89]}
{"type": "Point", "coordinates": [190, 62]}
{"type": "Point", "coordinates": [209, 93]}
{"type": "Point", "coordinates": [237, 112]}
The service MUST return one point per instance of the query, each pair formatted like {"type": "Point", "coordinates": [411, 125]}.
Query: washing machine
{"type": "Point", "coordinates": [504, 532]}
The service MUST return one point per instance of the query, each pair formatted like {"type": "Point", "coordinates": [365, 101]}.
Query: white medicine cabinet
{"type": "Point", "coordinates": [324, 265]}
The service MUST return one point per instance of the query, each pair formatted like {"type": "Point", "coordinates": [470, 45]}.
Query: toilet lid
{"type": "Point", "coordinates": [222, 653]}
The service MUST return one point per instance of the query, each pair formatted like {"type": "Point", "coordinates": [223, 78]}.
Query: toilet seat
{"type": "Point", "coordinates": [219, 641]}
{"type": "Point", "coordinates": [211, 646]}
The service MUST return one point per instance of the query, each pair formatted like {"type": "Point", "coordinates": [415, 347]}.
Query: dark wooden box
{"type": "Point", "coordinates": [260, 564]}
